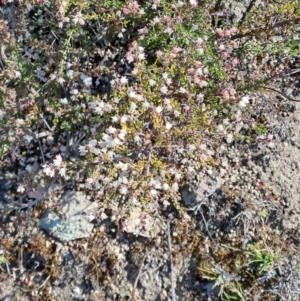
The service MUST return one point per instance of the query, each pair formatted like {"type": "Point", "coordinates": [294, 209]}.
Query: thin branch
{"type": "Point", "coordinates": [49, 128]}
{"type": "Point", "coordinates": [283, 95]}
{"type": "Point", "coordinates": [252, 3]}
{"type": "Point", "coordinates": [137, 279]}
{"type": "Point", "coordinates": [259, 30]}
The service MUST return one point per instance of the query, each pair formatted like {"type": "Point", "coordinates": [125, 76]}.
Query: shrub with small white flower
{"type": "Point", "coordinates": [151, 118]}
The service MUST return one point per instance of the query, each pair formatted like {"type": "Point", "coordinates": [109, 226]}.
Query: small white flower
{"type": "Point", "coordinates": [168, 126]}
{"type": "Point", "coordinates": [168, 81]}
{"type": "Point", "coordinates": [123, 166]}
{"type": "Point", "coordinates": [224, 163]}
{"type": "Point", "coordinates": [137, 139]}
{"type": "Point", "coordinates": [169, 30]}
{"type": "Point", "coordinates": [158, 109]}
{"type": "Point", "coordinates": [182, 90]}
{"type": "Point", "coordinates": [115, 119]}
{"type": "Point", "coordinates": [92, 143]}
{"type": "Point", "coordinates": [164, 89]}
{"type": "Point", "coordinates": [146, 104]}
{"type": "Point", "coordinates": [63, 101]}
{"type": "Point", "coordinates": [229, 138]}
{"type": "Point", "coordinates": [136, 232]}
{"type": "Point", "coordinates": [166, 186]}
{"type": "Point", "coordinates": [122, 134]}
{"type": "Point", "coordinates": [157, 185]}
{"type": "Point", "coordinates": [165, 75]}
{"type": "Point", "coordinates": [88, 81]}
{"type": "Point", "coordinates": [133, 106]}
{"type": "Point", "coordinates": [82, 150]}
{"type": "Point", "coordinates": [233, 108]}
{"type": "Point", "coordinates": [70, 73]}
{"type": "Point", "coordinates": [123, 190]}
{"type": "Point", "coordinates": [110, 130]}
{"type": "Point", "coordinates": [199, 71]}
{"type": "Point", "coordinates": [175, 186]}
{"type": "Point", "coordinates": [62, 172]}
{"type": "Point", "coordinates": [178, 176]}
{"type": "Point", "coordinates": [191, 147]}
{"type": "Point", "coordinates": [244, 102]}
{"type": "Point", "coordinates": [152, 82]}
{"type": "Point", "coordinates": [220, 128]}
{"type": "Point", "coordinates": [139, 97]}
{"type": "Point", "coordinates": [203, 83]}
{"type": "Point", "coordinates": [141, 56]}
{"type": "Point", "coordinates": [123, 80]}
{"type": "Point", "coordinates": [153, 192]}
{"type": "Point", "coordinates": [199, 41]}
{"type": "Point", "coordinates": [200, 51]}
{"type": "Point", "coordinates": [132, 94]}
{"type": "Point", "coordinates": [194, 27]}
{"type": "Point", "coordinates": [74, 91]}
{"type": "Point", "coordinates": [94, 151]}
{"type": "Point", "coordinates": [103, 216]}
{"type": "Point", "coordinates": [177, 113]}
{"type": "Point", "coordinates": [166, 203]}
{"type": "Point", "coordinates": [124, 118]}
{"type": "Point", "coordinates": [21, 189]}
{"type": "Point", "coordinates": [159, 53]}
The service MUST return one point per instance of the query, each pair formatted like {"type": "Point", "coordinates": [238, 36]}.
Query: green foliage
{"type": "Point", "coordinates": [264, 258]}
{"type": "Point", "coordinates": [2, 259]}
{"type": "Point", "coordinates": [261, 130]}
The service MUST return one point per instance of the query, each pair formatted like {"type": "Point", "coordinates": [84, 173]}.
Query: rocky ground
{"type": "Point", "coordinates": [55, 247]}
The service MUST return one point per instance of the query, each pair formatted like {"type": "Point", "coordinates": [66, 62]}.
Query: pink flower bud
{"type": "Point", "coordinates": [221, 47]}
{"type": "Point", "coordinates": [232, 92]}
{"type": "Point", "coordinates": [227, 32]}
{"type": "Point", "coordinates": [220, 32]}
{"type": "Point", "coordinates": [225, 94]}
{"type": "Point", "coordinates": [270, 137]}
{"type": "Point", "coordinates": [235, 61]}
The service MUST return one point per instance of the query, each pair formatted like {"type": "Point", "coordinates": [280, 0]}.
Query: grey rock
{"type": "Point", "coordinates": [72, 221]}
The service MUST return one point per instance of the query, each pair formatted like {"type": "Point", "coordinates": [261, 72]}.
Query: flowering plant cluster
{"type": "Point", "coordinates": [154, 94]}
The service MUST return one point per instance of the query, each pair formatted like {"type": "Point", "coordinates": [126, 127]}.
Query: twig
{"type": "Point", "coordinates": [283, 95]}
{"type": "Point", "coordinates": [36, 288]}
{"type": "Point", "coordinates": [252, 3]}
{"type": "Point", "coordinates": [198, 208]}
{"type": "Point", "coordinates": [171, 262]}
{"type": "Point", "coordinates": [49, 128]}
{"type": "Point", "coordinates": [293, 72]}
{"type": "Point", "coordinates": [259, 30]}
{"type": "Point", "coordinates": [137, 279]}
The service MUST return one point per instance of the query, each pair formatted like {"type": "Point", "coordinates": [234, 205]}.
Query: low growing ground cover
{"type": "Point", "coordinates": [131, 102]}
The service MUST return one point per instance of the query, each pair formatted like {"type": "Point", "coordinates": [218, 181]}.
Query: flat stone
{"type": "Point", "coordinates": [72, 220]}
